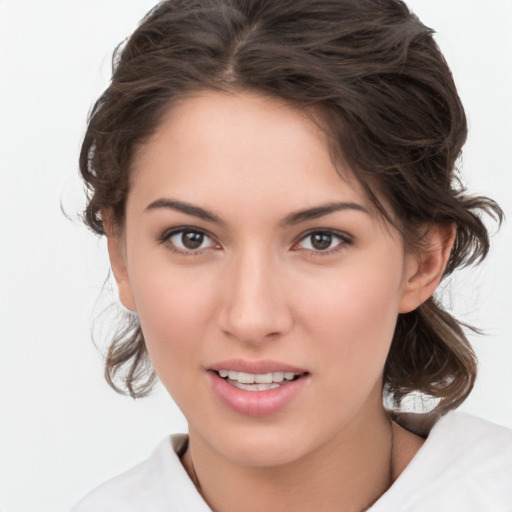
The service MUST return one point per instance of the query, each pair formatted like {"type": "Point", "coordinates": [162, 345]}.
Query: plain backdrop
{"type": "Point", "coordinates": [62, 430]}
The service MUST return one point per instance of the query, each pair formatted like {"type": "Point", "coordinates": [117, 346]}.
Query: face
{"type": "Point", "coordinates": [266, 285]}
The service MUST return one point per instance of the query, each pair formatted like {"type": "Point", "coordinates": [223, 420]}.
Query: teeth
{"type": "Point", "coordinates": [257, 379]}
{"type": "Point", "coordinates": [255, 387]}
{"type": "Point", "coordinates": [263, 378]}
{"type": "Point", "coordinates": [278, 376]}
{"type": "Point", "coordinates": [247, 378]}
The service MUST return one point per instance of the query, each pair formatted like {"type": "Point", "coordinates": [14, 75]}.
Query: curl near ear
{"type": "Point", "coordinates": [117, 254]}
{"type": "Point", "coordinates": [425, 267]}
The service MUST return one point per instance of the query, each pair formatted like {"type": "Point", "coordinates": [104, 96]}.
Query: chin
{"type": "Point", "coordinates": [262, 444]}
{"type": "Point", "coordinates": [263, 453]}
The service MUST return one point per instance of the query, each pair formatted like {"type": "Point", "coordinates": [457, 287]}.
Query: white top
{"type": "Point", "coordinates": [465, 465]}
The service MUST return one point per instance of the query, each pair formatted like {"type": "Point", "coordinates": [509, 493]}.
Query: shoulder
{"type": "Point", "coordinates": [158, 484]}
{"type": "Point", "coordinates": [470, 445]}
{"type": "Point", "coordinates": [460, 436]}
{"type": "Point", "coordinates": [465, 464]}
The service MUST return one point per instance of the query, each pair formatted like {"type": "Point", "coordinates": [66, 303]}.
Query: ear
{"type": "Point", "coordinates": [117, 255]}
{"type": "Point", "coordinates": [424, 270]}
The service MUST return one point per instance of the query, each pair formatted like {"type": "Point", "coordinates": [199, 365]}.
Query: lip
{"type": "Point", "coordinates": [263, 366]}
{"type": "Point", "coordinates": [256, 403]}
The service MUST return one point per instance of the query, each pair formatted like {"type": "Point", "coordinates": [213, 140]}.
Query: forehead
{"type": "Point", "coordinates": [242, 148]}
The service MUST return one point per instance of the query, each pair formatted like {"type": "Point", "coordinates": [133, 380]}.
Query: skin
{"type": "Point", "coordinates": [258, 289]}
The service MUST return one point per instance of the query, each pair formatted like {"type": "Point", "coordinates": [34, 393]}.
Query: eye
{"type": "Point", "coordinates": [323, 241]}
{"type": "Point", "coordinates": [188, 240]}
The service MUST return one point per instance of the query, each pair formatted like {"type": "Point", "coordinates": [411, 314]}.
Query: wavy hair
{"type": "Point", "coordinates": [386, 97]}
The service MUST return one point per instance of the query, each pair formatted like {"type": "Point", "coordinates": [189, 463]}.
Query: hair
{"type": "Point", "coordinates": [387, 100]}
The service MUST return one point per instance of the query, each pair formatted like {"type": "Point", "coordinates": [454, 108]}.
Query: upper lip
{"type": "Point", "coordinates": [263, 366]}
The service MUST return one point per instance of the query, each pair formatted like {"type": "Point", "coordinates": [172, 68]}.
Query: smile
{"type": "Point", "coordinates": [257, 388]}
{"type": "Point", "coordinates": [257, 381]}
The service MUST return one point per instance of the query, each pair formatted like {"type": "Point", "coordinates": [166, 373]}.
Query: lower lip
{"type": "Point", "coordinates": [256, 403]}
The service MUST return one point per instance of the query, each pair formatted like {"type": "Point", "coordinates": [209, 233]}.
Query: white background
{"type": "Point", "coordinates": [62, 431]}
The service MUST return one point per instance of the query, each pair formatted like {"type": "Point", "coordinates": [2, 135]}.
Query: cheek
{"type": "Point", "coordinates": [353, 316]}
{"type": "Point", "coordinates": [174, 307]}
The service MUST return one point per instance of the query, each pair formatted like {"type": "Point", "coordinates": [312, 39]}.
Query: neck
{"type": "Point", "coordinates": [348, 473]}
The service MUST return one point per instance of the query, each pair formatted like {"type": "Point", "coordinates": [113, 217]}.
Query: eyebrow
{"type": "Point", "coordinates": [187, 208]}
{"type": "Point", "coordinates": [320, 211]}
{"type": "Point", "coordinates": [290, 220]}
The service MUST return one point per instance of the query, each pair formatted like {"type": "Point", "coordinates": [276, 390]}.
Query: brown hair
{"type": "Point", "coordinates": [389, 104]}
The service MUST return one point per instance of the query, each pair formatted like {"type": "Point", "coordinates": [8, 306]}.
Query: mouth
{"type": "Point", "coordinates": [257, 388]}
{"type": "Point", "coordinates": [258, 381]}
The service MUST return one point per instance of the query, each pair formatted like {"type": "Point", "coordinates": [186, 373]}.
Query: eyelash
{"type": "Point", "coordinates": [167, 235]}
{"type": "Point", "coordinates": [343, 240]}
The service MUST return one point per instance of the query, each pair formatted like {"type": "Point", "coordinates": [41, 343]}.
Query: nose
{"type": "Point", "coordinates": [255, 305]}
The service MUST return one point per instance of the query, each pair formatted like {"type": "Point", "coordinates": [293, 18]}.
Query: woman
{"type": "Point", "coordinates": [276, 181]}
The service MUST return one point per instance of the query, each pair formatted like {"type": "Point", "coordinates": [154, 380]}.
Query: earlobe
{"type": "Point", "coordinates": [424, 270]}
{"type": "Point", "coordinates": [118, 261]}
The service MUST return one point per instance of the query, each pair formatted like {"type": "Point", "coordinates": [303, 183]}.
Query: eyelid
{"type": "Point", "coordinates": [169, 233]}
{"type": "Point", "coordinates": [343, 237]}
{"type": "Point", "coordinates": [344, 240]}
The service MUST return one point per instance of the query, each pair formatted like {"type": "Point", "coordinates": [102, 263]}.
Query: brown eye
{"type": "Point", "coordinates": [189, 240]}
{"type": "Point", "coordinates": [323, 241]}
